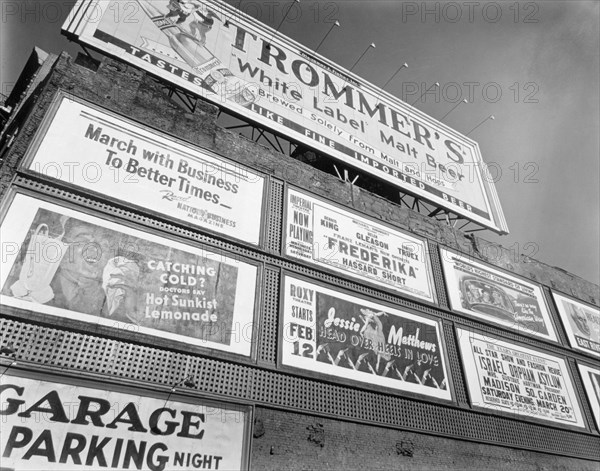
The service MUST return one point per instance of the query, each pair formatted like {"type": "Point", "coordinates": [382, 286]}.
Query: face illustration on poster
{"type": "Point", "coordinates": [87, 280]}
{"type": "Point", "coordinates": [579, 319]}
{"type": "Point", "coordinates": [85, 275]}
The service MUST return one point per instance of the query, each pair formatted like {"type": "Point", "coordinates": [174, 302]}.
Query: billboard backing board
{"type": "Point", "coordinates": [510, 378]}
{"type": "Point", "coordinates": [89, 148]}
{"type": "Point", "coordinates": [334, 238]}
{"type": "Point", "coordinates": [489, 294]}
{"type": "Point", "coordinates": [56, 426]}
{"type": "Point", "coordinates": [329, 332]}
{"type": "Point", "coordinates": [65, 263]}
{"type": "Point", "coordinates": [229, 58]}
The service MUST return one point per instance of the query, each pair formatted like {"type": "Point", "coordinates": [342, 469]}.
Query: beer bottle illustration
{"type": "Point", "coordinates": [43, 256]}
{"type": "Point", "coordinates": [220, 81]}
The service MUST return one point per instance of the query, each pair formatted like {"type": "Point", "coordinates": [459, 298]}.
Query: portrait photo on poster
{"type": "Point", "coordinates": [581, 322]}
{"type": "Point", "coordinates": [490, 294]}
{"type": "Point", "coordinates": [69, 264]}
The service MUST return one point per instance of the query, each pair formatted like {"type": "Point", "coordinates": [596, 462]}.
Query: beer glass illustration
{"type": "Point", "coordinates": [42, 259]}
{"type": "Point", "coordinates": [119, 278]}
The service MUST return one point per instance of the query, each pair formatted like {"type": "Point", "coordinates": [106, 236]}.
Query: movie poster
{"type": "Point", "coordinates": [582, 323]}
{"type": "Point", "coordinates": [330, 237]}
{"type": "Point", "coordinates": [591, 383]}
{"type": "Point", "coordinates": [56, 426]}
{"type": "Point", "coordinates": [65, 263]}
{"type": "Point", "coordinates": [329, 332]}
{"type": "Point", "coordinates": [99, 151]}
{"type": "Point", "coordinates": [484, 292]}
{"type": "Point", "coordinates": [506, 377]}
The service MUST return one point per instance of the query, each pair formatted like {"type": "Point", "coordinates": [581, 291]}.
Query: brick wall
{"type": "Point", "coordinates": [284, 440]}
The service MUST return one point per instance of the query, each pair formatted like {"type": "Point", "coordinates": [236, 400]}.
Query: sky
{"type": "Point", "coordinates": [534, 66]}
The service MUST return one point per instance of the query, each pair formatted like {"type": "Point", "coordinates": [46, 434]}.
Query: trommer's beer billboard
{"type": "Point", "coordinates": [214, 51]}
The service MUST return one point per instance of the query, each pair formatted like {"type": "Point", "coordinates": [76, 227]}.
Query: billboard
{"type": "Point", "coordinates": [591, 383]}
{"type": "Point", "coordinates": [506, 377]}
{"type": "Point", "coordinates": [334, 238]}
{"type": "Point", "coordinates": [95, 150]}
{"type": "Point", "coordinates": [54, 425]}
{"type": "Point", "coordinates": [480, 291]}
{"type": "Point", "coordinates": [335, 334]}
{"type": "Point", "coordinates": [229, 58]}
{"type": "Point", "coordinates": [65, 263]}
{"type": "Point", "coordinates": [582, 323]}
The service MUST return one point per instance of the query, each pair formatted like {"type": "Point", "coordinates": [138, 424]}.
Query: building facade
{"type": "Point", "coordinates": [163, 306]}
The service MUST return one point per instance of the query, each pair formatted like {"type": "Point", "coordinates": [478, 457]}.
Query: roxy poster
{"type": "Point", "coordinates": [57, 426]}
{"type": "Point", "coordinates": [506, 377]}
{"type": "Point", "coordinates": [330, 237]}
{"type": "Point", "coordinates": [330, 332]}
{"type": "Point", "coordinates": [481, 291]}
{"type": "Point", "coordinates": [582, 323]}
{"type": "Point", "coordinates": [65, 263]}
{"type": "Point", "coordinates": [99, 151]}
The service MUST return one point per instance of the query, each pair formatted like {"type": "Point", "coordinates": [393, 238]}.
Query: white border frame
{"type": "Point", "coordinates": [471, 374]}
{"type": "Point", "coordinates": [18, 212]}
{"type": "Point", "coordinates": [559, 299]}
{"type": "Point", "coordinates": [350, 214]}
{"type": "Point", "coordinates": [452, 289]}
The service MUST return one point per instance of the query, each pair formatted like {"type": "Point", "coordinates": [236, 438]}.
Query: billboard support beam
{"type": "Point", "coordinates": [87, 52]}
{"type": "Point", "coordinates": [189, 101]}
{"type": "Point", "coordinates": [256, 133]}
{"type": "Point", "coordinates": [345, 178]}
